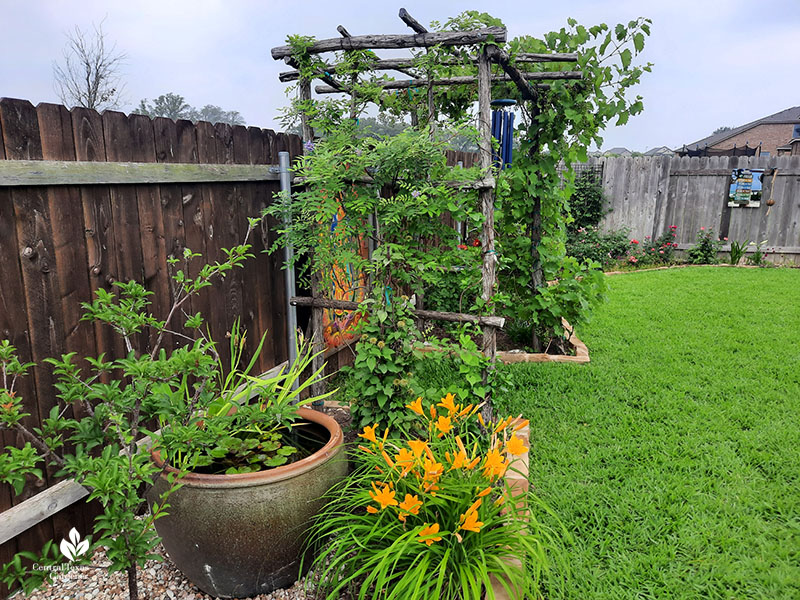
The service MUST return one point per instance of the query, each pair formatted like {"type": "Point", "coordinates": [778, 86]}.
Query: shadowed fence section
{"type": "Point", "coordinates": [60, 242]}
{"type": "Point", "coordinates": [87, 199]}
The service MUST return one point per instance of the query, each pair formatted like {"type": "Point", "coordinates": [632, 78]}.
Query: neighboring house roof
{"type": "Point", "coordinates": [790, 115]}
{"type": "Point", "coordinates": [659, 151]}
{"type": "Point", "coordinates": [617, 150]}
{"type": "Point", "coordinates": [788, 146]}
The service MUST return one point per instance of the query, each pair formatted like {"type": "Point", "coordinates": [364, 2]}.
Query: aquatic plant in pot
{"type": "Point", "coordinates": [254, 467]}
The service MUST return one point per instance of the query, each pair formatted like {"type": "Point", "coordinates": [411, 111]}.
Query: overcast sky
{"type": "Point", "coordinates": [716, 62]}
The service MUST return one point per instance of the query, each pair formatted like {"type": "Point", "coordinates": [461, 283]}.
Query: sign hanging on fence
{"type": "Point", "coordinates": [745, 190]}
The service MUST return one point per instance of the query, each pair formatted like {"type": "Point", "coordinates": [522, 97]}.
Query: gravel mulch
{"type": "Point", "coordinates": [157, 581]}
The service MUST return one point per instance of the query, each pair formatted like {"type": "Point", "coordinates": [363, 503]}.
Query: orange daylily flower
{"type": "Point", "coordinates": [411, 504]}
{"type": "Point", "coordinates": [403, 458]}
{"type": "Point", "coordinates": [387, 459]}
{"type": "Point", "coordinates": [429, 530]}
{"type": "Point", "coordinates": [416, 406]}
{"type": "Point", "coordinates": [372, 510]}
{"type": "Point", "coordinates": [475, 506]}
{"type": "Point", "coordinates": [485, 492]}
{"type": "Point", "coordinates": [433, 470]}
{"type": "Point", "coordinates": [516, 446]}
{"type": "Point", "coordinates": [500, 501]}
{"type": "Point", "coordinates": [433, 411]}
{"type": "Point", "coordinates": [448, 402]}
{"type": "Point", "coordinates": [369, 433]}
{"type": "Point", "coordinates": [502, 424]}
{"type": "Point", "coordinates": [521, 424]}
{"type": "Point", "coordinates": [459, 460]}
{"type": "Point", "coordinates": [384, 497]}
{"type": "Point", "coordinates": [444, 425]}
{"type": "Point", "coordinates": [365, 449]}
{"type": "Point", "coordinates": [494, 465]}
{"type": "Point", "coordinates": [417, 447]}
{"type": "Point", "coordinates": [471, 465]}
{"type": "Point", "coordinates": [466, 410]}
{"type": "Point", "coordinates": [471, 522]}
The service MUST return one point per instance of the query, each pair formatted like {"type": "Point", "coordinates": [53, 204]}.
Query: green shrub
{"type": "Point", "coordinates": [759, 257]}
{"type": "Point", "coordinates": [589, 243]}
{"type": "Point", "coordinates": [659, 252]}
{"type": "Point", "coordinates": [382, 380]}
{"type": "Point", "coordinates": [704, 252]}
{"type": "Point", "coordinates": [586, 202]}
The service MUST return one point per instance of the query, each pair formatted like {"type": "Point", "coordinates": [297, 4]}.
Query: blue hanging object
{"type": "Point", "coordinates": [503, 131]}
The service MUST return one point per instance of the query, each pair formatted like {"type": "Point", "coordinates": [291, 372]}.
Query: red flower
{"type": "Point", "coordinates": [702, 229]}
{"type": "Point", "coordinates": [476, 243]}
{"type": "Point", "coordinates": [634, 241]}
{"type": "Point", "coordinates": [461, 247]}
{"type": "Point", "coordinates": [673, 226]}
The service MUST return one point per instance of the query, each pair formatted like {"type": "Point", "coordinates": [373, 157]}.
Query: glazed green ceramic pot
{"type": "Point", "coordinates": [236, 536]}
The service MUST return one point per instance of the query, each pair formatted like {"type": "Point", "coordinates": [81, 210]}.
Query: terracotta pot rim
{"type": "Point", "coordinates": [295, 469]}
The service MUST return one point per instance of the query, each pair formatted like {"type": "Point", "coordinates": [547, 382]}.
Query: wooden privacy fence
{"type": "Point", "coordinates": [647, 195]}
{"type": "Point", "coordinates": [89, 199]}
{"type": "Point", "coordinates": [109, 197]}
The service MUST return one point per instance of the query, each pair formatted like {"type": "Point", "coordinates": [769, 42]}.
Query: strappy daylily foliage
{"type": "Point", "coordinates": [434, 517]}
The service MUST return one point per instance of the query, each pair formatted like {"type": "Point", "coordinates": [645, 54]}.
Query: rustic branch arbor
{"type": "Point", "coordinates": [485, 52]}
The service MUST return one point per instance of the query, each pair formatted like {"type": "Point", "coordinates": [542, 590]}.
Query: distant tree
{"type": "Point", "coordinates": [722, 129]}
{"type": "Point", "coordinates": [214, 114]}
{"type": "Point", "coordinates": [384, 126]}
{"type": "Point", "coordinates": [174, 106]}
{"type": "Point", "coordinates": [89, 75]}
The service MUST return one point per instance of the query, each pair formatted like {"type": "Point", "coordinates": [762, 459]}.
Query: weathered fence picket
{"type": "Point", "coordinates": [647, 195]}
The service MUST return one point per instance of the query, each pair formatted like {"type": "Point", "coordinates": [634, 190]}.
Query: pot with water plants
{"type": "Point", "coordinates": [235, 525]}
{"type": "Point", "coordinates": [242, 534]}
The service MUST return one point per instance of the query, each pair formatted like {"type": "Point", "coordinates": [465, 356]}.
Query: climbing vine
{"type": "Point", "coordinates": [391, 193]}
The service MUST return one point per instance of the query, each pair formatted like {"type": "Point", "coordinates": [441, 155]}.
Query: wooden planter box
{"type": "Point", "coordinates": [581, 353]}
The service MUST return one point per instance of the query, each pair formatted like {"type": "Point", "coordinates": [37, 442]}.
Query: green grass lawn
{"type": "Point", "coordinates": [673, 459]}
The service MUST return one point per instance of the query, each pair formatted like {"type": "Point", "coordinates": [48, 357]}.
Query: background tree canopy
{"type": "Point", "coordinates": [174, 106]}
